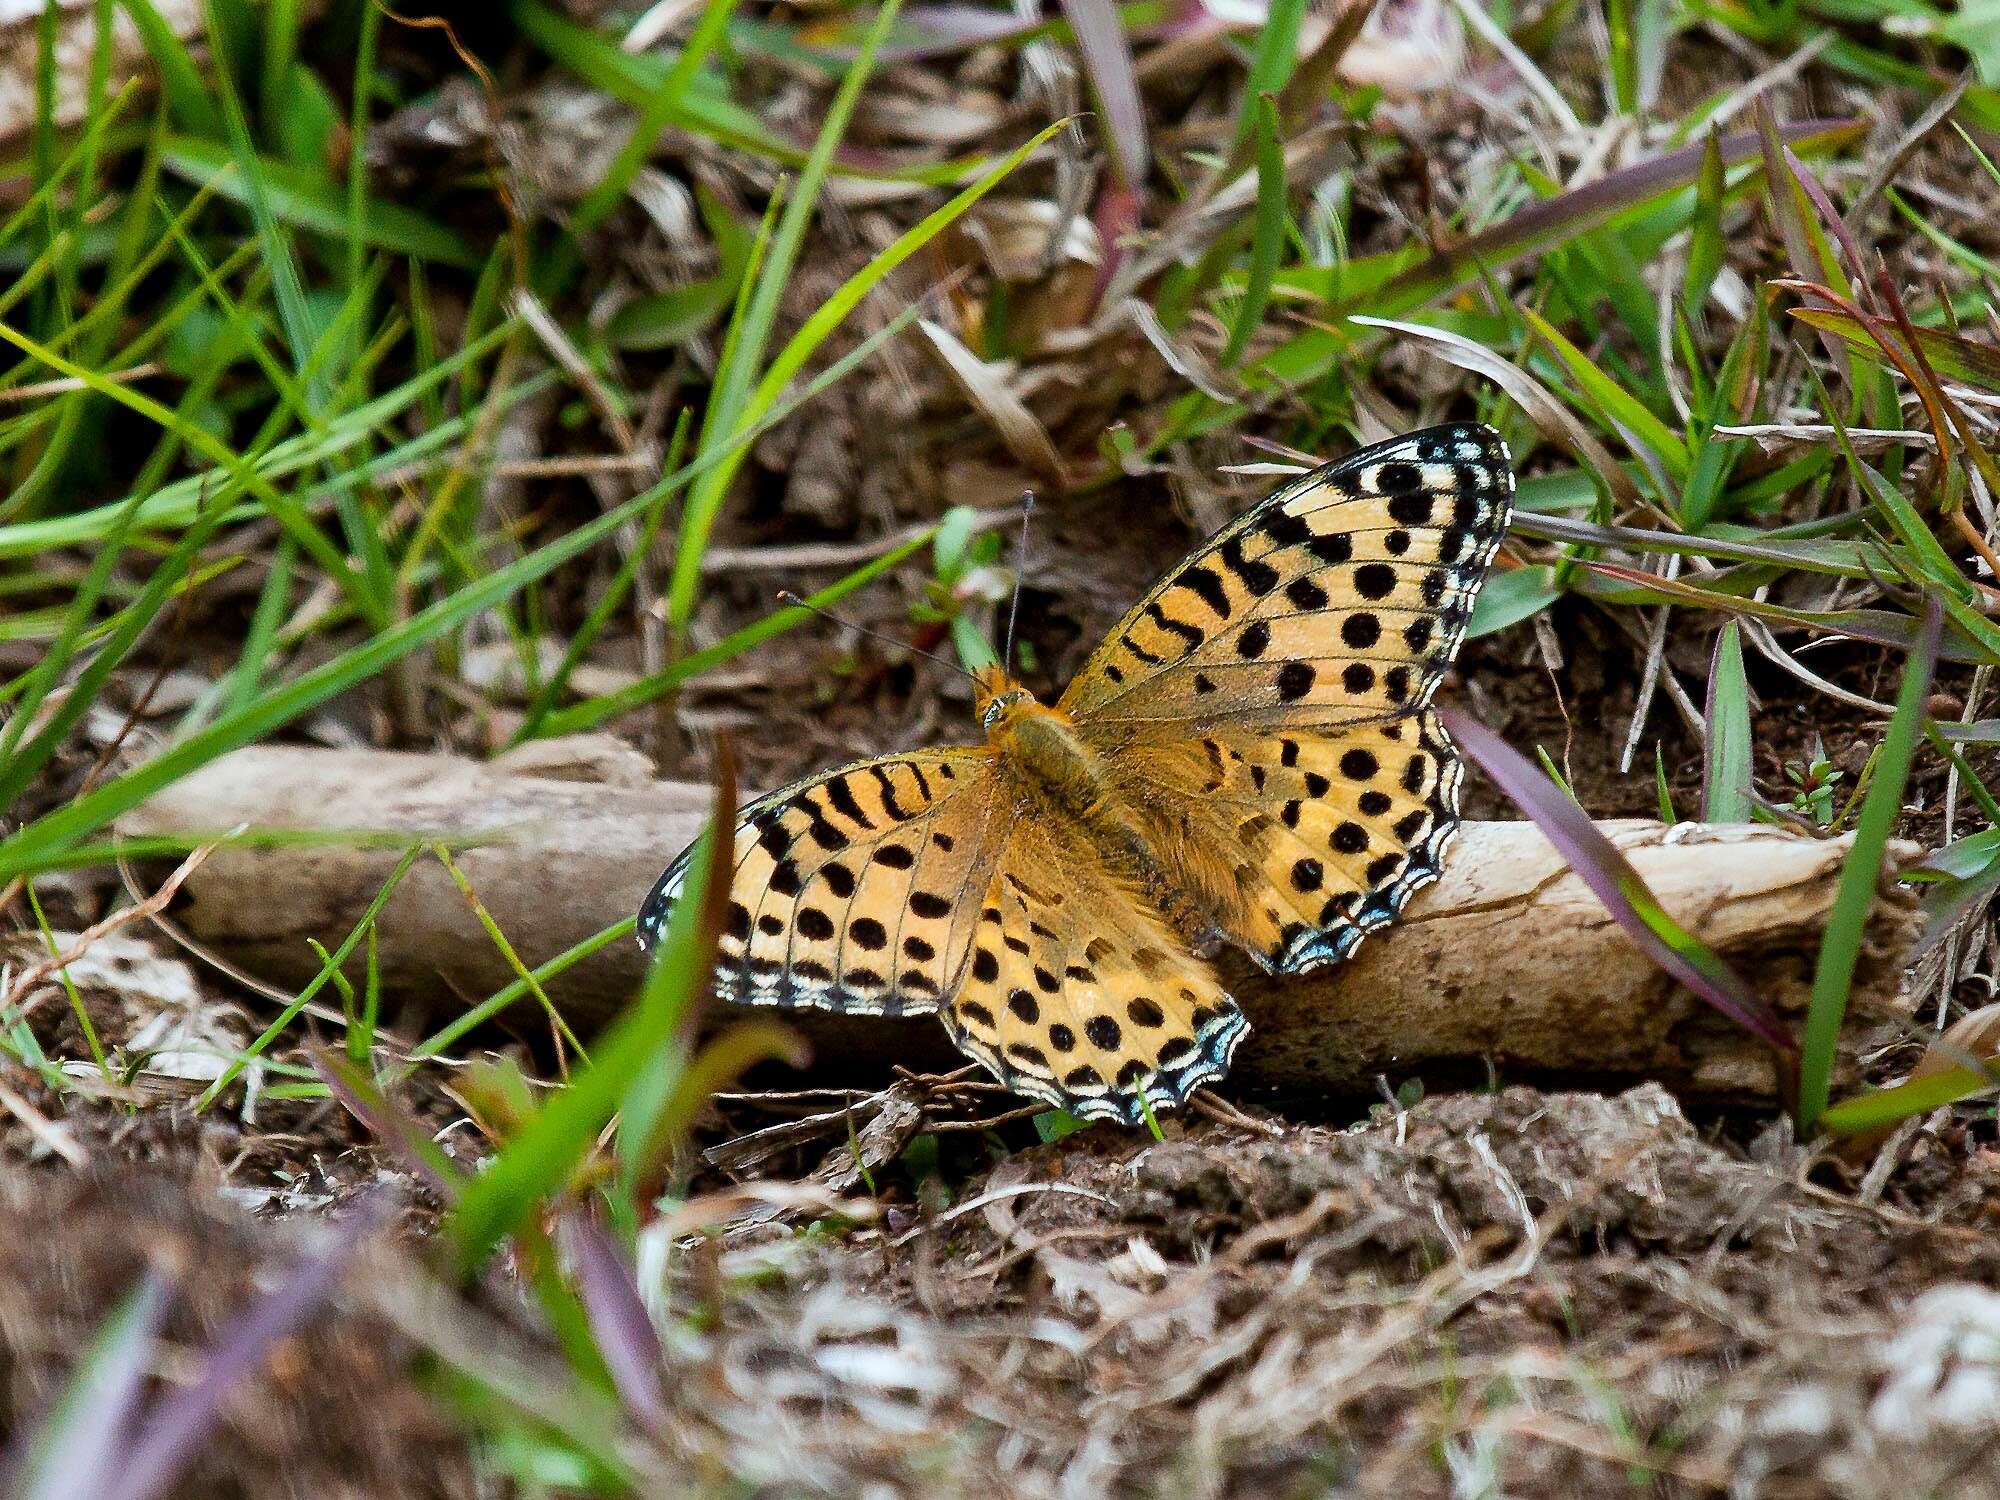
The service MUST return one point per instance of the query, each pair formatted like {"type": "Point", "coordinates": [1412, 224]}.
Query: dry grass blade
{"type": "Point", "coordinates": [1557, 422]}
{"type": "Point", "coordinates": [1107, 60]}
{"type": "Point", "coordinates": [985, 387]}
{"type": "Point", "coordinates": [25, 984]}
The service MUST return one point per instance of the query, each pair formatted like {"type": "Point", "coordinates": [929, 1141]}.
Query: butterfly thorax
{"type": "Point", "coordinates": [1042, 746]}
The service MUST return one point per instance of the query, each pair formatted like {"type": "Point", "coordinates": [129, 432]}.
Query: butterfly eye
{"type": "Point", "coordinates": [998, 707]}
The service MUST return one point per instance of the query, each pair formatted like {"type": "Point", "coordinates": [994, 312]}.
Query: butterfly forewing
{"type": "Point", "coordinates": [1279, 756]}
{"type": "Point", "coordinates": [856, 890]}
{"type": "Point", "coordinates": [1078, 994]}
{"type": "Point", "coordinates": [1341, 599]}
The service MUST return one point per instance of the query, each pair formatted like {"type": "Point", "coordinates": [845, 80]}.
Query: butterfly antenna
{"type": "Point", "coordinates": [1020, 572]}
{"type": "Point", "coordinates": [786, 596]}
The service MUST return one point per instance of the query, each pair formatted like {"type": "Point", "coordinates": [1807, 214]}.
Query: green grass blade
{"type": "Point", "coordinates": [732, 390]}
{"type": "Point", "coordinates": [543, 1153]}
{"type": "Point", "coordinates": [311, 202]}
{"type": "Point", "coordinates": [1267, 239]}
{"type": "Point", "coordinates": [664, 108]}
{"type": "Point", "coordinates": [1860, 874]}
{"type": "Point", "coordinates": [1726, 768]}
{"type": "Point", "coordinates": [180, 79]}
{"type": "Point", "coordinates": [1558, 220]}
{"type": "Point", "coordinates": [1614, 404]}
{"type": "Point", "coordinates": [1706, 247]}
{"type": "Point", "coordinates": [327, 972]}
{"type": "Point", "coordinates": [1917, 1096]}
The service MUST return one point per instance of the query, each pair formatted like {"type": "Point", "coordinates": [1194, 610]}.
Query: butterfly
{"type": "Point", "coordinates": [1249, 758]}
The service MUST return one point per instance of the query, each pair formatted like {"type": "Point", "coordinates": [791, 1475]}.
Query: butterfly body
{"type": "Point", "coordinates": [1041, 744]}
{"type": "Point", "coordinates": [1060, 777]}
{"type": "Point", "coordinates": [1248, 759]}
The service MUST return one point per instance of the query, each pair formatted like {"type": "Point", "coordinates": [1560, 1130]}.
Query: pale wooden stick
{"type": "Point", "coordinates": [1507, 959]}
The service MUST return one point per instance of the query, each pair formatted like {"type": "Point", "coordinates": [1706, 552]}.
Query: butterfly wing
{"type": "Point", "coordinates": [1078, 994]}
{"type": "Point", "coordinates": [1338, 600]}
{"type": "Point", "coordinates": [856, 890]}
{"type": "Point", "coordinates": [1298, 843]}
{"type": "Point", "coordinates": [1264, 710]}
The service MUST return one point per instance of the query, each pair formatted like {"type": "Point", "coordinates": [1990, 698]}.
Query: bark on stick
{"type": "Point", "coordinates": [1508, 957]}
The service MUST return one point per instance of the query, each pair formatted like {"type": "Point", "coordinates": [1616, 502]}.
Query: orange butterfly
{"type": "Point", "coordinates": [1249, 757]}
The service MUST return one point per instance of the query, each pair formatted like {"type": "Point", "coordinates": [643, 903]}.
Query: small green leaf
{"type": "Point", "coordinates": [1726, 768]}
{"type": "Point", "coordinates": [1054, 1124]}
{"type": "Point", "coordinates": [312, 201]}
{"type": "Point", "coordinates": [1511, 597]}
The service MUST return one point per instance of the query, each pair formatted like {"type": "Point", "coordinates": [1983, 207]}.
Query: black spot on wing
{"type": "Point", "coordinates": [889, 803]}
{"type": "Point", "coordinates": [841, 795]}
{"type": "Point", "coordinates": [1192, 634]}
{"type": "Point", "coordinates": [1255, 575]}
{"type": "Point", "coordinates": [1207, 583]}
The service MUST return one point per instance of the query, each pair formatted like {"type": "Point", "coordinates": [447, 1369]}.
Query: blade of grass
{"type": "Point", "coordinates": [542, 1154]}
{"type": "Point", "coordinates": [1618, 407]}
{"type": "Point", "coordinates": [505, 948]}
{"type": "Point", "coordinates": [1917, 1096]}
{"type": "Point", "coordinates": [1883, 627]}
{"type": "Point", "coordinates": [398, 1129]}
{"type": "Point", "coordinates": [708, 111]}
{"type": "Point", "coordinates": [493, 1004]}
{"type": "Point", "coordinates": [318, 982]}
{"type": "Point", "coordinates": [749, 332]}
{"type": "Point", "coordinates": [618, 1319]}
{"type": "Point", "coordinates": [286, 510]}
{"type": "Point", "coordinates": [1860, 874]}
{"type": "Point", "coordinates": [665, 107]}
{"type": "Point", "coordinates": [1611, 878]}
{"type": "Point", "coordinates": [180, 79]}
{"type": "Point", "coordinates": [311, 202]}
{"type": "Point", "coordinates": [1726, 783]}
{"type": "Point", "coordinates": [19, 767]}
{"type": "Point", "coordinates": [1267, 240]}
{"type": "Point", "coordinates": [1107, 63]}
{"type": "Point", "coordinates": [737, 401]}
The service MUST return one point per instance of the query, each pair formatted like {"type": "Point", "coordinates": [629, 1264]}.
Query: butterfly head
{"type": "Point", "coordinates": [997, 697]}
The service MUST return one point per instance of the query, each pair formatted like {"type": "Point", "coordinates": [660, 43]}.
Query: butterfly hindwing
{"type": "Point", "coordinates": [1298, 842]}
{"type": "Point", "coordinates": [856, 890]}
{"type": "Point", "coordinates": [1078, 994]}
{"type": "Point", "coordinates": [1340, 599]}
